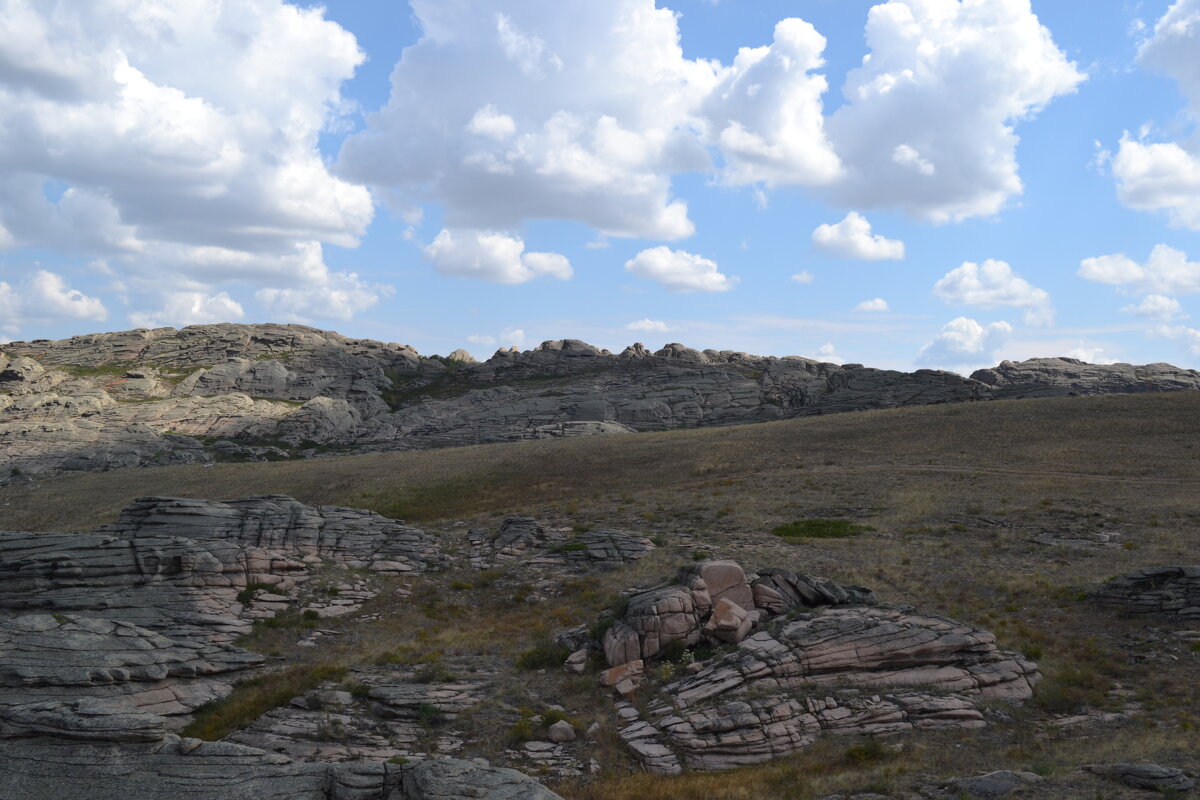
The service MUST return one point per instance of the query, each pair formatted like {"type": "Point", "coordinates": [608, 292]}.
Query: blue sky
{"type": "Point", "coordinates": [1000, 179]}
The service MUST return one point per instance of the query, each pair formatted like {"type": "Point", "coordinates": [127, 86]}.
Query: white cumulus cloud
{"type": "Point", "coordinates": [177, 141]}
{"type": "Point", "coordinates": [1167, 271]}
{"type": "Point", "coordinates": [765, 112]}
{"type": "Point", "coordinates": [190, 308]}
{"type": "Point", "coordinates": [648, 325]}
{"type": "Point", "coordinates": [339, 296]}
{"type": "Point", "coordinates": [1156, 306]}
{"type": "Point", "coordinates": [803, 277]}
{"type": "Point", "coordinates": [491, 256]}
{"type": "Point", "coordinates": [1165, 176]}
{"type": "Point", "coordinates": [680, 271]}
{"type": "Point", "coordinates": [963, 341]}
{"type": "Point", "coordinates": [570, 110]}
{"type": "Point", "coordinates": [45, 297]}
{"type": "Point", "coordinates": [875, 305]}
{"type": "Point", "coordinates": [852, 238]}
{"type": "Point", "coordinates": [928, 126]}
{"type": "Point", "coordinates": [994, 284]}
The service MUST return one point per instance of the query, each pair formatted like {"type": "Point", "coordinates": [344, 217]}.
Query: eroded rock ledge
{"type": "Point", "coordinates": [811, 657]}
{"type": "Point", "coordinates": [260, 392]}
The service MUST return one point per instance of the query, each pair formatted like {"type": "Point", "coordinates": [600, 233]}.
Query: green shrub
{"type": "Point", "coordinates": [543, 655]}
{"type": "Point", "coordinates": [247, 594]}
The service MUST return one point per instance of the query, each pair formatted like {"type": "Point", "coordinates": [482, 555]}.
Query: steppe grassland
{"type": "Point", "coordinates": [994, 513]}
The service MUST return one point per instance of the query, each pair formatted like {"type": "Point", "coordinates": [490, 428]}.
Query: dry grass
{"type": "Point", "coordinates": [972, 510]}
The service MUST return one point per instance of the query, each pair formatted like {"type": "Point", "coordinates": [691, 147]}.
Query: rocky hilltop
{"type": "Point", "coordinates": [259, 392]}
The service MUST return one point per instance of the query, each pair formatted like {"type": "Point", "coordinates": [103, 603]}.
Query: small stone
{"type": "Point", "coordinates": [562, 731]}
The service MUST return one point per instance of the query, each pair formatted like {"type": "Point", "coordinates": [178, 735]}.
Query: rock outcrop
{"type": "Point", "coordinates": [811, 657]}
{"type": "Point", "coordinates": [714, 600]}
{"type": "Point", "coordinates": [1172, 592]}
{"type": "Point", "coordinates": [110, 639]}
{"type": "Point", "coordinates": [170, 768]}
{"type": "Point", "coordinates": [191, 569]}
{"type": "Point", "coordinates": [260, 392]}
{"type": "Point", "coordinates": [526, 541]}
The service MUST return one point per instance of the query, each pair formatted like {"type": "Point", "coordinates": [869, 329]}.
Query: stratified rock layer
{"type": "Point", "coordinates": [1172, 592]}
{"type": "Point", "coordinates": [812, 657]}
{"type": "Point", "coordinates": [259, 392]}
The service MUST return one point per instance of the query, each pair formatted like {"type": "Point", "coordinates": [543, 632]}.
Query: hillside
{"type": "Point", "coordinates": [272, 392]}
{"type": "Point", "coordinates": [1003, 516]}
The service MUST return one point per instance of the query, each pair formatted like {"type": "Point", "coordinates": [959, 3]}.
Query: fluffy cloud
{"type": "Point", "coordinates": [45, 297]}
{"type": "Point", "coordinates": [828, 354]}
{"type": "Point", "coordinates": [994, 284]}
{"type": "Point", "coordinates": [176, 140]}
{"type": "Point", "coordinates": [1190, 337]}
{"type": "Point", "coordinates": [586, 111]}
{"type": "Point", "coordinates": [1092, 354]}
{"type": "Point", "coordinates": [680, 271]}
{"type": "Point", "coordinates": [804, 277]}
{"type": "Point", "coordinates": [964, 341]}
{"type": "Point", "coordinates": [564, 110]}
{"type": "Point", "coordinates": [337, 296]}
{"type": "Point", "coordinates": [928, 123]}
{"type": "Point", "coordinates": [648, 326]}
{"type": "Point", "coordinates": [495, 257]}
{"type": "Point", "coordinates": [1166, 271]}
{"type": "Point", "coordinates": [1156, 306]}
{"type": "Point", "coordinates": [190, 308]}
{"type": "Point", "coordinates": [1165, 176]}
{"type": "Point", "coordinates": [765, 112]}
{"type": "Point", "coordinates": [877, 304]}
{"type": "Point", "coordinates": [851, 238]}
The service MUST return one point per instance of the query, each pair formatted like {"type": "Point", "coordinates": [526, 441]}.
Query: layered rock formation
{"type": "Point", "coordinates": [1172, 592]}
{"type": "Point", "coordinates": [215, 392]}
{"type": "Point", "coordinates": [191, 568]}
{"type": "Point", "coordinates": [524, 540]}
{"type": "Point", "coordinates": [848, 667]}
{"type": "Point", "coordinates": [109, 640]}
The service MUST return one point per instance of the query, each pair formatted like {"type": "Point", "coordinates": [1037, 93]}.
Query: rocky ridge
{"type": "Point", "coordinates": [259, 392]}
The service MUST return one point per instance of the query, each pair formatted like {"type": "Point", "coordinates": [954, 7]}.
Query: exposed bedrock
{"type": "Point", "coordinates": [257, 392]}
{"type": "Point", "coordinates": [526, 541]}
{"type": "Point", "coordinates": [36, 769]}
{"type": "Point", "coordinates": [1172, 592]}
{"type": "Point", "coordinates": [811, 657]}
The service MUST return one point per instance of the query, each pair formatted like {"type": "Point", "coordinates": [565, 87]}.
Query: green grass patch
{"type": "Point", "coordinates": [252, 698]}
{"type": "Point", "coordinates": [819, 529]}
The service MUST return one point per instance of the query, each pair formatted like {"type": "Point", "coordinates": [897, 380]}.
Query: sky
{"type": "Point", "coordinates": [904, 184]}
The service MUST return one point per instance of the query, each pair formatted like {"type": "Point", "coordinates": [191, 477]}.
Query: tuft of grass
{"type": "Point", "coordinates": [252, 698]}
{"type": "Point", "coordinates": [545, 654]}
{"type": "Point", "coordinates": [819, 529]}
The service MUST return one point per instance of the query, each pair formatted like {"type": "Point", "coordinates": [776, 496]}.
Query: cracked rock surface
{"type": "Point", "coordinates": [258, 392]}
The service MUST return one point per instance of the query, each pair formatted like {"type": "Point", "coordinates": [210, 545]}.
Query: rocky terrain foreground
{"type": "Point", "coordinates": [117, 645]}
{"type": "Point", "coordinates": [262, 392]}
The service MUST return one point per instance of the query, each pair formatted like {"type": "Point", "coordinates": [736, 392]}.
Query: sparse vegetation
{"type": "Point", "coordinates": [818, 529]}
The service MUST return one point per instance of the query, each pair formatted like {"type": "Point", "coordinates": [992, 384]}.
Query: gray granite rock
{"type": "Point", "coordinates": [40, 768]}
{"type": "Point", "coordinates": [1145, 776]}
{"type": "Point", "coordinates": [250, 392]}
{"type": "Point", "coordinates": [1172, 592]}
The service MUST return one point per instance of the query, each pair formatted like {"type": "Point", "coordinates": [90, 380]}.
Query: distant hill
{"type": "Point", "coordinates": [267, 392]}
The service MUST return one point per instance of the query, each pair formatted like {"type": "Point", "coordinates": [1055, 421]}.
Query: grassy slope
{"type": "Point", "coordinates": [954, 497]}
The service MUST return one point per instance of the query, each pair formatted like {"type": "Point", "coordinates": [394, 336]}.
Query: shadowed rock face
{"type": "Point", "coordinates": [255, 392]}
{"type": "Point", "coordinates": [1172, 592]}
